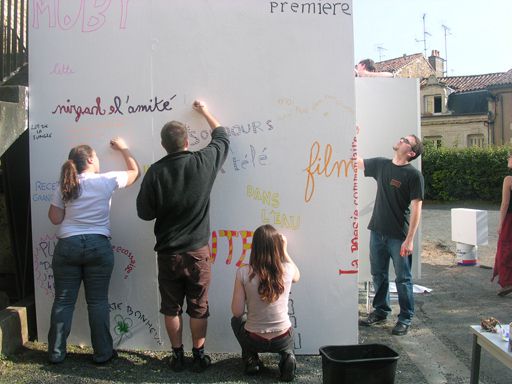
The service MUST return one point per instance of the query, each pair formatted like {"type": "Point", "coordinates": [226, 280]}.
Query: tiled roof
{"type": "Point", "coordinates": [394, 65]}
{"type": "Point", "coordinates": [504, 79]}
{"type": "Point", "coordinates": [457, 83]}
{"type": "Point", "coordinates": [470, 83]}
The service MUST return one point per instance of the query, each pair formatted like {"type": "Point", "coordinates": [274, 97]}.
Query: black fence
{"type": "Point", "coordinates": [13, 36]}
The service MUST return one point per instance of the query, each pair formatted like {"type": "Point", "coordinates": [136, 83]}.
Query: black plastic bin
{"type": "Point", "coordinates": [358, 364]}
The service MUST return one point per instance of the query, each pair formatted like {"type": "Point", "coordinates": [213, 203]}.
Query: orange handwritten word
{"type": "Point", "coordinates": [246, 246]}
{"type": "Point", "coordinates": [323, 167]}
{"type": "Point", "coordinates": [229, 235]}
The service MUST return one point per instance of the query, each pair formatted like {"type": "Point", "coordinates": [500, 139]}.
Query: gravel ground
{"type": "Point", "coordinates": [436, 350]}
{"type": "Point", "coordinates": [31, 366]}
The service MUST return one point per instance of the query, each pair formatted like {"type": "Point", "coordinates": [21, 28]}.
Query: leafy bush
{"type": "Point", "coordinates": [464, 173]}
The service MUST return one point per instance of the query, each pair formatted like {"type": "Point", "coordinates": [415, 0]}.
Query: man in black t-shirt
{"type": "Point", "coordinates": [395, 219]}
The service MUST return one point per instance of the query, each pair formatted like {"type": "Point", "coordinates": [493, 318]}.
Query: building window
{"type": "Point", "coordinates": [433, 104]}
{"type": "Point", "coordinates": [427, 104]}
{"type": "Point", "coordinates": [438, 107]}
{"type": "Point", "coordinates": [435, 140]}
{"type": "Point", "coordinates": [476, 140]}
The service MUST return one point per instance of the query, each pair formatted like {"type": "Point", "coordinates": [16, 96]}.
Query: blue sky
{"type": "Point", "coordinates": [479, 39]}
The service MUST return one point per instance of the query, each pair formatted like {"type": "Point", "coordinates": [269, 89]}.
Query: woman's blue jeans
{"type": "Point", "coordinates": [383, 249]}
{"type": "Point", "coordinates": [87, 258]}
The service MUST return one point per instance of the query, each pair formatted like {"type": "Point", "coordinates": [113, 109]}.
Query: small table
{"type": "Point", "coordinates": [492, 343]}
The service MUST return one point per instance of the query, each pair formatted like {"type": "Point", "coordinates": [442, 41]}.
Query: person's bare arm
{"type": "Point", "coordinates": [408, 244]}
{"type": "Point", "coordinates": [201, 107]}
{"type": "Point", "coordinates": [132, 167]}
{"type": "Point", "coordinates": [238, 301]}
{"type": "Point", "coordinates": [505, 200]}
{"type": "Point", "coordinates": [365, 73]}
{"type": "Point", "coordinates": [296, 274]}
{"type": "Point", "coordinates": [56, 214]}
{"type": "Point", "coordinates": [360, 164]}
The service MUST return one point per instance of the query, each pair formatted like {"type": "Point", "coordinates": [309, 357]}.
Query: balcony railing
{"type": "Point", "coordinates": [13, 35]}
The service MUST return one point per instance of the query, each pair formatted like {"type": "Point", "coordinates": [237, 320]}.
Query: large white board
{"type": "Point", "coordinates": [278, 75]}
{"type": "Point", "coordinates": [387, 109]}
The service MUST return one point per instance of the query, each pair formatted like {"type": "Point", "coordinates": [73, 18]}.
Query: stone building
{"type": "Point", "coordinates": [458, 111]}
{"type": "Point", "coordinates": [501, 109]}
{"type": "Point", "coordinates": [407, 66]}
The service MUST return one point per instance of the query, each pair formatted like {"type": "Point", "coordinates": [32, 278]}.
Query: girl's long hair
{"type": "Point", "coordinates": [76, 164]}
{"type": "Point", "coordinates": [267, 257]}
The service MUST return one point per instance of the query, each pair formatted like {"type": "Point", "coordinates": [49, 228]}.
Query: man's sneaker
{"type": "Point", "coordinates": [201, 361]}
{"type": "Point", "coordinates": [287, 366]}
{"type": "Point", "coordinates": [253, 365]}
{"type": "Point", "coordinates": [177, 361]}
{"type": "Point", "coordinates": [112, 357]}
{"type": "Point", "coordinates": [400, 329]}
{"type": "Point", "coordinates": [372, 319]}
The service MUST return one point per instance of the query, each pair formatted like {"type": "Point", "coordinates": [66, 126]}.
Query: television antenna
{"type": "Point", "coordinates": [380, 48]}
{"type": "Point", "coordinates": [425, 34]}
{"type": "Point", "coordinates": [446, 33]}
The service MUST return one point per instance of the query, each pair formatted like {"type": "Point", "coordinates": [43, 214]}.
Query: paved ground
{"type": "Point", "coordinates": [437, 349]}
{"type": "Point", "coordinates": [436, 228]}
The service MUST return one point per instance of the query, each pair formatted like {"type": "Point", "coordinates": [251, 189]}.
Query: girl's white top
{"type": "Point", "coordinates": [90, 212]}
{"type": "Point", "coordinates": [263, 317]}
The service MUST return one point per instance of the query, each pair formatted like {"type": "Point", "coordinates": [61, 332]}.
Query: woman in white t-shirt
{"type": "Point", "coordinates": [260, 303]}
{"type": "Point", "coordinates": [81, 208]}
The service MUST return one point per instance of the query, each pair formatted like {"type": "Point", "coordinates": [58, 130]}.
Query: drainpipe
{"type": "Point", "coordinates": [502, 122]}
{"type": "Point", "coordinates": [491, 117]}
{"type": "Point", "coordinates": [487, 124]}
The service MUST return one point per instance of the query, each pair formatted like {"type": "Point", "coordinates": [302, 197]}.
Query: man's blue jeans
{"type": "Point", "coordinates": [87, 258]}
{"type": "Point", "coordinates": [383, 249]}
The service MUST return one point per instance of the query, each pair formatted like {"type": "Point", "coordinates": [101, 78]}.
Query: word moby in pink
{"type": "Point", "coordinates": [90, 15]}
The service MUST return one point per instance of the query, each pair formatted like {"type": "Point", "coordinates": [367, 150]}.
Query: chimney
{"type": "Point", "coordinates": [437, 63]}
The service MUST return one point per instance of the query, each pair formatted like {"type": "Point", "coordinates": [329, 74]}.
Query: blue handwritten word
{"type": "Point", "coordinates": [40, 131]}
{"type": "Point", "coordinates": [254, 127]}
{"type": "Point", "coordinates": [251, 159]}
{"type": "Point", "coordinates": [47, 246]}
{"type": "Point", "coordinates": [43, 271]}
{"type": "Point", "coordinates": [44, 190]}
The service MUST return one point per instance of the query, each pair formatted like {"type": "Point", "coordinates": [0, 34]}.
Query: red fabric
{"type": "Point", "coordinates": [503, 260]}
